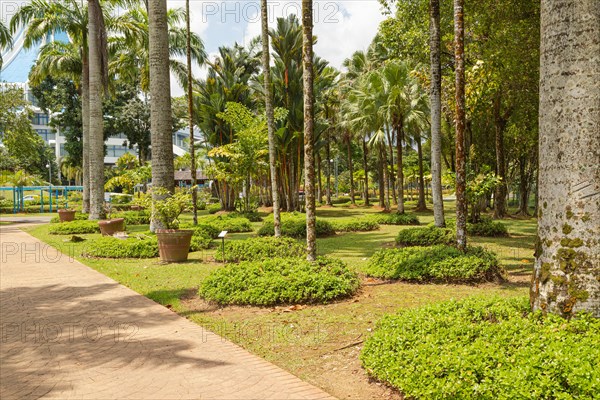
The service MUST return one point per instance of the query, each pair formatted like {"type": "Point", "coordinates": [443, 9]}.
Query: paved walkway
{"type": "Point", "coordinates": [69, 332]}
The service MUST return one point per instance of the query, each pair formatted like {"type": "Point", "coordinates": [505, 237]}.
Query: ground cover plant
{"type": "Point", "coordinates": [294, 226]}
{"type": "Point", "coordinates": [485, 348]}
{"type": "Point", "coordinates": [437, 263]}
{"type": "Point", "coordinates": [142, 246]}
{"type": "Point", "coordinates": [261, 248]}
{"type": "Point", "coordinates": [230, 223]}
{"type": "Point", "coordinates": [426, 236]}
{"type": "Point", "coordinates": [280, 281]}
{"type": "Point", "coordinates": [134, 217]}
{"type": "Point", "coordinates": [487, 228]}
{"type": "Point", "coordinates": [395, 219]}
{"type": "Point", "coordinates": [74, 228]}
{"type": "Point", "coordinates": [355, 225]}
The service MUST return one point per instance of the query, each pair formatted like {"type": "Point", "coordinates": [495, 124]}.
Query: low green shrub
{"type": "Point", "coordinates": [74, 228]}
{"type": "Point", "coordinates": [426, 236]}
{"type": "Point", "coordinates": [295, 226]}
{"type": "Point", "coordinates": [357, 225]}
{"type": "Point", "coordinates": [200, 242]}
{"type": "Point", "coordinates": [261, 248]}
{"type": "Point", "coordinates": [78, 217]}
{"type": "Point", "coordinates": [438, 263]}
{"type": "Point", "coordinates": [213, 208]}
{"type": "Point", "coordinates": [341, 200]}
{"type": "Point", "coordinates": [203, 229]}
{"type": "Point", "coordinates": [280, 281]}
{"type": "Point", "coordinates": [395, 219]}
{"type": "Point", "coordinates": [485, 348]}
{"type": "Point", "coordinates": [201, 205]}
{"type": "Point", "coordinates": [488, 228]}
{"type": "Point", "coordinates": [252, 216]}
{"type": "Point", "coordinates": [231, 224]}
{"type": "Point", "coordinates": [134, 217]}
{"type": "Point", "coordinates": [111, 247]}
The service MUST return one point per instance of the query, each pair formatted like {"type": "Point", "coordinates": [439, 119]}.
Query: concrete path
{"type": "Point", "coordinates": [69, 332]}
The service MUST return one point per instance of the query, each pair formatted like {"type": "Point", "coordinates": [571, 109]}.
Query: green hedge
{"type": "Point", "coordinates": [74, 228]}
{"type": "Point", "coordinates": [437, 263]}
{"type": "Point", "coordinates": [296, 227]}
{"type": "Point", "coordinates": [427, 236]}
{"type": "Point", "coordinates": [485, 348]}
{"type": "Point", "coordinates": [28, 209]}
{"type": "Point", "coordinates": [395, 219]}
{"type": "Point", "coordinates": [227, 222]}
{"type": "Point", "coordinates": [487, 227]}
{"type": "Point", "coordinates": [78, 217]}
{"type": "Point", "coordinates": [261, 248]}
{"type": "Point", "coordinates": [202, 229]}
{"type": "Point", "coordinates": [111, 247]}
{"type": "Point", "coordinates": [200, 242]}
{"type": "Point", "coordinates": [213, 208]}
{"type": "Point", "coordinates": [280, 281]}
{"type": "Point", "coordinates": [357, 225]}
{"type": "Point", "coordinates": [134, 217]}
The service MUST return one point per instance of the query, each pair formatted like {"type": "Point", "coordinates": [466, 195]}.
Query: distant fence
{"type": "Point", "coordinates": [53, 193]}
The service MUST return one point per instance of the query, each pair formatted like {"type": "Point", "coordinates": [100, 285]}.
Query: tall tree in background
{"type": "Point", "coordinates": [5, 39]}
{"type": "Point", "coordinates": [309, 154]}
{"type": "Point", "coordinates": [270, 114]}
{"type": "Point", "coordinates": [567, 263]}
{"type": "Point", "coordinates": [98, 73]}
{"type": "Point", "coordinates": [461, 174]}
{"type": "Point", "coordinates": [190, 99]}
{"type": "Point", "coordinates": [436, 113]}
{"type": "Point", "coordinates": [160, 92]}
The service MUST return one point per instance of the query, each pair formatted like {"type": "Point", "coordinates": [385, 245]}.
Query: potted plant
{"type": "Point", "coordinates": [173, 243]}
{"type": "Point", "coordinates": [110, 226]}
{"type": "Point", "coordinates": [66, 215]}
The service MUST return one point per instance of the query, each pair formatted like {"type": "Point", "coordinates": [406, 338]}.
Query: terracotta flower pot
{"type": "Point", "coordinates": [66, 215]}
{"type": "Point", "coordinates": [136, 208]}
{"type": "Point", "coordinates": [111, 226]}
{"type": "Point", "coordinates": [174, 244]}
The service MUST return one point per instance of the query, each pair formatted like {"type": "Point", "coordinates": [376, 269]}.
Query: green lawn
{"type": "Point", "coordinates": [317, 343]}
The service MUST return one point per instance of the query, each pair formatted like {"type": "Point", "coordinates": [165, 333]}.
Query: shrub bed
{"type": "Point", "coordinates": [134, 217]}
{"type": "Point", "coordinates": [213, 208]}
{"type": "Point", "coordinates": [438, 263]}
{"type": "Point", "coordinates": [427, 236]}
{"type": "Point", "coordinates": [395, 219]}
{"type": "Point", "coordinates": [202, 229]}
{"type": "Point", "coordinates": [487, 227]}
{"type": "Point", "coordinates": [296, 227]}
{"type": "Point", "coordinates": [78, 217]}
{"type": "Point", "coordinates": [357, 225]}
{"type": "Point", "coordinates": [74, 228]}
{"type": "Point", "coordinates": [200, 242]}
{"type": "Point", "coordinates": [261, 248]}
{"type": "Point", "coordinates": [485, 348]}
{"type": "Point", "coordinates": [110, 247]}
{"type": "Point", "coordinates": [280, 281]}
{"type": "Point", "coordinates": [229, 223]}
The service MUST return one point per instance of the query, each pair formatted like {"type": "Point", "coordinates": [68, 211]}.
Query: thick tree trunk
{"type": "Point", "coordinates": [436, 113]}
{"type": "Point", "coordinates": [567, 267]}
{"type": "Point", "coordinates": [319, 183]}
{"type": "Point", "coordinates": [366, 169]}
{"type": "Point", "coordinates": [96, 131]}
{"type": "Point", "coordinates": [501, 189]}
{"type": "Point", "coordinates": [459, 55]}
{"type": "Point", "coordinates": [309, 154]}
{"type": "Point", "coordinates": [351, 169]}
{"type": "Point", "coordinates": [160, 107]}
{"type": "Point", "coordinates": [421, 204]}
{"type": "Point", "coordinates": [85, 122]}
{"type": "Point", "coordinates": [399, 137]}
{"type": "Point", "coordinates": [270, 114]}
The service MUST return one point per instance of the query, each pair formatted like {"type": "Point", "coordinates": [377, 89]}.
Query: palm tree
{"type": "Point", "coordinates": [568, 259]}
{"type": "Point", "coordinates": [44, 17]}
{"type": "Point", "coordinates": [98, 77]}
{"type": "Point", "coordinates": [309, 156]}
{"type": "Point", "coordinates": [436, 113]}
{"type": "Point", "coordinates": [461, 175]}
{"type": "Point", "coordinates": [270, 115]}
{"type": "Point", "coordinates": [160, 92]}
{"type": "Point", "coordinates": [5, 39]}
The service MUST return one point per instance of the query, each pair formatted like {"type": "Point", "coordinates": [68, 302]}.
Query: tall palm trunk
{"type": "Point", "coordinates": [350, 168]}
{"type": "Point", "coordinates": [190, 95]}
{"type": "Point", "coordinates": [501, 189]}
{"type": "Point", "coordinates": [399, 138]}
{"type": "Point", "coordinates": [270, 114]}
{"type": "Point", "coordinates": [421, 203]}
{"type": "Point", "coordinates": [328, 170]}
{"type": "Point", "coordinates": [96, 90]}
{"type": "Point", "coordinates": [366, 169]}
{"type": "Point", "coordinates": [319, 183]}
{"type": "Point", "coordinates": [459, 56]}
{"type": "Point", "coordinates": [567, 261]}
{"type": "Point", "coordinates": [309, 153]}
{"type": "Point", "coordinates": [436, 114]}
{"type": "Point", "coordinates": [160, 93]}
{"type": "Point", "coordinates": [85, 122]}
{"type": "Point", "coordinates": [381, 178]}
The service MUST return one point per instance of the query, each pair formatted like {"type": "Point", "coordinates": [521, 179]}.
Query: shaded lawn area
{"type": "Point", "coordinates": [317, 343]}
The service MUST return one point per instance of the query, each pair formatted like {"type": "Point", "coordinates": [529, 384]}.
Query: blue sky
{"type": "Point", "coordinates": [342, 27]}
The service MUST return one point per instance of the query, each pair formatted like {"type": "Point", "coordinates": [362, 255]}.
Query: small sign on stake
{"type": "Point", "coordinates": [222, 236]}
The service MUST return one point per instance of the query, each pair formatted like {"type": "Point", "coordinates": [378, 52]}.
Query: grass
{"type": "Point", "coordinates": [317, 343]}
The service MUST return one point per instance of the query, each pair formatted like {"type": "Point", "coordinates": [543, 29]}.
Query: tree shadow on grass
{"type": "Point", "coordinates": [59, 339]}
